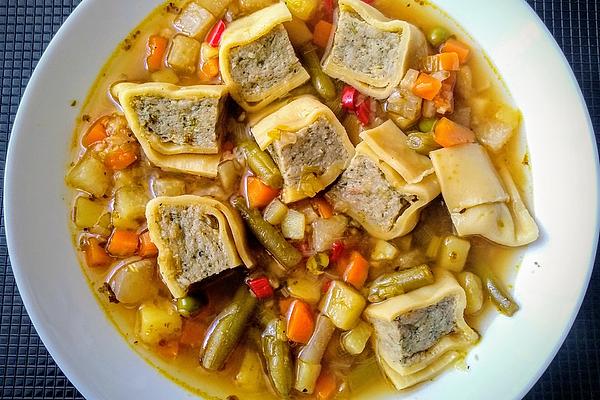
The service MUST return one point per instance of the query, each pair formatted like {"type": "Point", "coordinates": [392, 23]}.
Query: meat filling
{"type": "Point", "coordinates": [194, 240]}
{"type": "Point", "coordinates": [364, 189]}
{"type": "Point", "coordinates": [264, 63]}
{"type": "Point", "coordinates": [180, 121]}
{"type": "Point", "coordinates": [362, 48]}
{"type": "Point", "coordinates": [316, 148]}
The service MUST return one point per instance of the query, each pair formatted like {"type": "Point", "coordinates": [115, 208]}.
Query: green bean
{"type": "Point", "coordinates": [437, 36]}
{"type": "Point", "coordinates": [187, 305]}
{"type": "Point", "coordinates": [397, 283]}
{"type": "Point", "coordinates": [276, 350]}
{"type": "Point", "coordinates": [427, 124]}
{"type": "Point", "coordinates": [268, 236]}
{"type": "Point", "coordinates": [262, 164]}
{"type": "Point", "coordinates": [322, 82]}
{"type": "Point", "coordinates": [498, 294]}
{"type": "Point", "coordinates": [422, 142]}
{"type": "Point", "coordinates": [500, 298]}
{"type": "Point", "coordinates": [227, 329]}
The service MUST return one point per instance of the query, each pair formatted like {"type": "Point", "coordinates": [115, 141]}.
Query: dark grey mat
{"type": "Point", "coordinates": [26, 369]}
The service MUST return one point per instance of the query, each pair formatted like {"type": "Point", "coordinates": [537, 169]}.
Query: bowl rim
{"type": "Point", "coordinates": [78, 377]}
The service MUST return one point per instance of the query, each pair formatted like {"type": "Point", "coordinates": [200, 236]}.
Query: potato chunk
{"type": "Point", "coordinates": [158, 322]}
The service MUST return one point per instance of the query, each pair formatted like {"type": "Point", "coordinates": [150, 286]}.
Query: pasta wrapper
{"type": "Point", "coordinates": [389, 142]}
{"type": "Point", "coordinates": [231, 235]}
{"type": "Point", "coordinates": [281, 128]}
{"type": "Point", "coordinates": [401, 382]}
{"type": "Point", "coordinates": [481, 200]}
{"type": "Point", "coordinates": [412, 49]}
{"type": "Point", "coordinates": [509, 224]}
{"type": "Point", "coordinates": [246, 30]}
{"type": "Point", "coordinates": [447, 349]}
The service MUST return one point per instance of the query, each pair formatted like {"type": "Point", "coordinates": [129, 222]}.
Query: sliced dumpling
{"type": "Point", "coordinates": [308, 144]}
{"type": "Point", "coordinates": [481, 200]}
{"type": "Point", "coordinates": [374, 190]}
{"type": "Point", "coordinates": [186, 162]}
{"type": "Point", "coordinates": [174, 119]}
{"type": "Point", "coordinates": [419, 333]}
{"type": "Point", "coordinates": [197, 237]}
{"type": "Point", "coordinates": [370, 51]}
{"type": "Point", "coordinates": [258, 63]}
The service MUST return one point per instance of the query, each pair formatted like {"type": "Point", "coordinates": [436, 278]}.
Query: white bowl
{"type": "Point", "coordinates": [514, 351]}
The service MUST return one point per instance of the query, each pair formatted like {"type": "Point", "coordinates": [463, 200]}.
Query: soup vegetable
{"type": "Point", "coordinates": [292, 199]}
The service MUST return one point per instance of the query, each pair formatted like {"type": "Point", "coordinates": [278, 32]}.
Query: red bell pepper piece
{"type": "Point", "coordinates": [337, 248]}
{"type": "Point", "coordinates": [349, 97]}
{"type": "Point", "coordinates": [260, 287]}
{"type": "Point", "coordinates": [363, 111]}
{"type": "Point", "coordinates": [216, 33]}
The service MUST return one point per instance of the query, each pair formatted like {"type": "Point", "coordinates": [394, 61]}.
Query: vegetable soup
{"type": "Point", "coordinates": [300, 199]}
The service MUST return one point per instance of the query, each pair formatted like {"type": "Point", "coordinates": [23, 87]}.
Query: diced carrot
{"type": "Point", "coordinates": [357, 270]}
{"type": "Point", "coordinates": [321, 33]}
{"type": "Point", "coordinates": [122, 243]}
{"type": "Point", "coordinates": [448, 133]}
{"type": "Point", "coordinates": [95, 255]}
{"type": "Point", "coordinates": [326, 386]}
{"type": "Point", "coordinates": [168, 350]}
{"type": "Point", "coordinates": [95, 134]}
{"type": "Point", "coordinates": [323, 207]}
{"type": "Point", "coordinates": [284, 305]}
{"type": "Point", "coordinates": [259, 194]}
{"type": "Point", "coordinates": [193, 332]}
{"type": "Point", "coordinates": [454, 46]}
{"type": "Point", "coordinates": [342, 263]}
{"type": "Point", "coordinates": [155, 52]}
{"type": "Point", "coordinates": [210, 68]}
{"type": "Point", "coordinates": [426, 86]}
{"type": "Point", "coordinates": [120, 158]}
{"type": "Point", "coordinates": [300, 322]}
{"type": "Point", "coordinates": [442, 62]}
{"type": "Point", "coordinates": [147, 248]}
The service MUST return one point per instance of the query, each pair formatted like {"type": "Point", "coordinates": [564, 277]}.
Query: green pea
{"type": "Point", "coordinates": [437, 36]}
{"type": "Point", "coordinates": [427, 124]}
{"type": "Point", "coordinates": [188, 305]}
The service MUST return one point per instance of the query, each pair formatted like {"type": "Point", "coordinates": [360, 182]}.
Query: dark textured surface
{"type": "Point", "coordinates": [26, 369]}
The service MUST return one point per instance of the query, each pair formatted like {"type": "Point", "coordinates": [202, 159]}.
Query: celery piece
{"type": "Point", "coordinates": [343, 305]}
{"type": "Point", "coordinates": [453, 253]}
{"type": "Point", "coordinates": [275, 212]}
{"type": "Point", "coordinates": [293, 225]}
{"type": "Point", "coordinates": [355, 340]}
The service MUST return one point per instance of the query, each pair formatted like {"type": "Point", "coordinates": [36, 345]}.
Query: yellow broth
{"type": "Point", "coordinates": [127, 64]}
